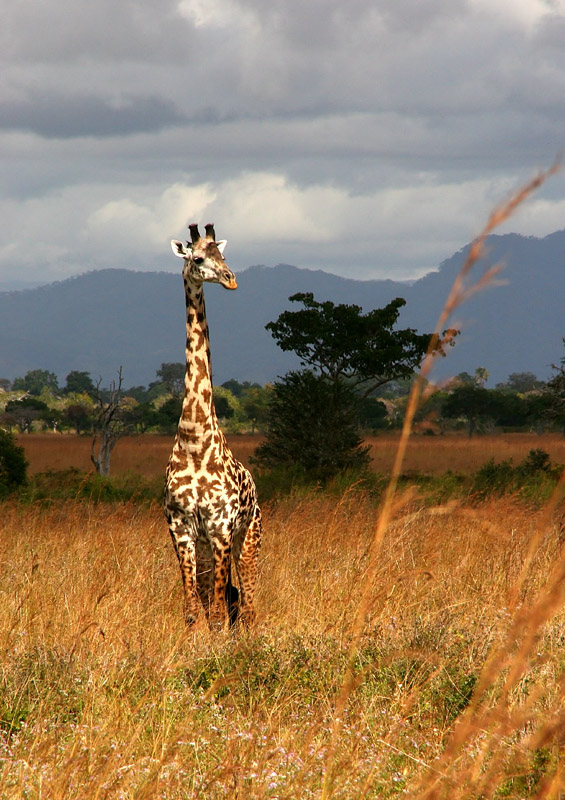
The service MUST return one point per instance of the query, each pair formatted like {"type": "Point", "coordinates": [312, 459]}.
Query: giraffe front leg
{"type": "Point", "coordinates": [246, 553]}
{"type": "Point", "coordinates": [184, 542]}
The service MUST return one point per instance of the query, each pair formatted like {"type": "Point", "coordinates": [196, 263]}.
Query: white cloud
{"type": "Point", "coordinates": [510, 12]}
{"type": "Point", "coordinates": [389, 231]}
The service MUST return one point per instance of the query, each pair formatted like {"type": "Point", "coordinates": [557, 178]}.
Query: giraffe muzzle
{"type": "Point", "coordinates": [229, 281]}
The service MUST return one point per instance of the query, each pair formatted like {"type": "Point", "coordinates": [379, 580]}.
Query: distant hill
{"type": "Point", "coordinates": [107, 318]}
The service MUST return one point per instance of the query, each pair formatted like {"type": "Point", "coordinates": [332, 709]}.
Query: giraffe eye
{"type": "Point", "coordinates": [198, 260]}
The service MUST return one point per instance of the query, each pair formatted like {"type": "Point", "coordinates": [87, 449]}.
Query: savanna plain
{"type": "Point", "coordinates": [431, 666]}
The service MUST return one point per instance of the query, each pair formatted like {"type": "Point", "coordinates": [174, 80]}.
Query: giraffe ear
{"type": "Point", "coordinates": [179, 249]}
{"type": "Point", "coordinates": [221, 245]}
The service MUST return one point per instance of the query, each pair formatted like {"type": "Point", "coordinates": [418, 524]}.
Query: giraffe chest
{"type": "Point", "coordinates": [211, 489]}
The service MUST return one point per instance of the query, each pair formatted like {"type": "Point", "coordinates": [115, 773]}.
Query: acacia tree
{"type": "Point", "coordinates": [108, 426]}
{"type": "Point", "coordinates": [314, 414]}
{"type": "Point", "coordinates": [341, 343]}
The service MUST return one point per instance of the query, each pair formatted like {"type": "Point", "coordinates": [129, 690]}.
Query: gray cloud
{"type": "Point", "coordinates": [55, 116]}
{"type": "Point", "coordinates": [399, 123]}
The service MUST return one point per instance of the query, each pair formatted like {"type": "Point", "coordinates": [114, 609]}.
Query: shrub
{"type": "Point", "coordinates": [532, 479]}
{"type": "Point", "coordinates": [13, 464]}
{"type": "Point", "coordinates": [312, 424]}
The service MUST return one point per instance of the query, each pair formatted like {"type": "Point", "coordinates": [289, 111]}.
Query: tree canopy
{"type": "Point", "coordinates": [171, 375]}
{"type": "Point", "coordinates": [35, 381]}
{"type": "Point", "coordinates": [340, 342]}
{"type": "Point", "coordinates": [79, 382]}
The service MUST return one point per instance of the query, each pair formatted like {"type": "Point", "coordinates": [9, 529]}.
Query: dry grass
{"type": "Point", "coordinates": [104, 694]}
{"type": "Point", "coordinates": [148, 455]}
{"type": "Point", "coordinates": [435, 670]}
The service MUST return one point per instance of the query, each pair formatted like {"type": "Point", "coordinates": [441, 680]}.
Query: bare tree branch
{"type": "Point", "coordinates": [108, 427]}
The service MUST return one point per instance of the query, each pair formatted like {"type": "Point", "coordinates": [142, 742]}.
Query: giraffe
{"type": "Point", "coordinates": [210, 498]}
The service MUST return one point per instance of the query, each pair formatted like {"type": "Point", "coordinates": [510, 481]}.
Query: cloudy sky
{"type": "Point", "coordinates": [369, 139]}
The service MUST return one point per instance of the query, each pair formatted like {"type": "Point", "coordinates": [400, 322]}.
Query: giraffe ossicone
{"type": "Point", "coordinates": [210, 498]}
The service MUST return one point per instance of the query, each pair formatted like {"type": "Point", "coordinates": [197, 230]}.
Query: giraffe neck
{"type": "Point", "coordinates": [198, 416]}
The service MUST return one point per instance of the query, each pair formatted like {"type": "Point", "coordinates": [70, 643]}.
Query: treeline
{"type": "Point", "coordinates": [36, 402]}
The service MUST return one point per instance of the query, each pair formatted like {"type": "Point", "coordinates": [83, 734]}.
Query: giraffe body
{"type": "Point", "coordinates": [210, 498]}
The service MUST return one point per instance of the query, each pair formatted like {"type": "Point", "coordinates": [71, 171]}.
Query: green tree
{"type": "Point", "coordinates": [341, 343]}
{"type": "Point", "coordinates": [222, 405]}
{"type": "Point", "coordinates": [78, 416]}
{"type": "Point", "coordinates": [171, 375]}
{"type": "Point", "coordinates": [35, 381]}
{"type": "Point", "coordinates": [315, 415]}
{"type": "Point", "coordinates": [372, 413]}
{"type": "Point", "coordinates": [13, 464]}
{"type": "Point", "coordinates": [239, 389]}
{"type": "Point", "coordinates": [520, 383]}
{"type": "Point", "coordinates": [78, 382]}
{"type": "Point", "coordinates": [25, 412]}
{"type": "Point", "coordinates": [168, 414]}
{"type": "Point", "coordinates": [255, 404]}
{"type": "Point", "coordinates": [470, 402]}
{"type": "Point", "coordinates": [312, 423]}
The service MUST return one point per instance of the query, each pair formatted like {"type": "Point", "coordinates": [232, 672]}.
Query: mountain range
{"type": "Point", "coordinates": [104, 319]}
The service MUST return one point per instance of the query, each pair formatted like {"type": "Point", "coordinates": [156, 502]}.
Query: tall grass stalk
{"type": "Point", "coordinates": [459, 293]}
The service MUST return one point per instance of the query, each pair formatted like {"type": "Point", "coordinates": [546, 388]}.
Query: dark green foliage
{"type": "Point", "coordinates": [79, 417]}
{"type": "Point", "coordinates": [314, 416]}
{"type": "Point", "coordinates": [24, 412]}
{"type": "Point", "coordinates": [13, 464]}
{"type": "Point", "coordinates": [171, 375]}
{"type": "Point", "coordinates": [140, 417]}
{"type": "Point", "coordinates": [35, 381]}
{"type": "Point", "coordinates": [342, 343]}
{"type": "Point", "coordinates": [79, 383]}
{"type": "Point", "coordinates": [239, 389]}
{"type": "Point", "coordinates": [168, 415]}
{"type": "Point", "coordinates": [555, 395]}
{"type": "Point", "coordinates": [372, 413]}
{"type": "Point", "coordinates": [223, 408]}
{"type": "Point", "coordinates": [471, 402]}
{"type": "Point", "coordinates": [520, 382]}
{"type": "Point", "coordinates": [533, 478]}
{"type": "Point", "coordinates": [312, 423]}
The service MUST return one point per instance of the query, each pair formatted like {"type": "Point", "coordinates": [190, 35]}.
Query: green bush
{"type": "Point", "coordinates": [533, 479]}
{"type": "Point", "coordinates": [13, 464]}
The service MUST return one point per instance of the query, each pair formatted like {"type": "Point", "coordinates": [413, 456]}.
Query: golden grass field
{"type": "Point", "coordinates": [416, 651]}
{"type": "Point", "coordinates": [457, 679]}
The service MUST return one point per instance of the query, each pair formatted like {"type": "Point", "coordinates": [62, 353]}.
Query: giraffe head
{"type": "Point", "coordinates": [203, 258]}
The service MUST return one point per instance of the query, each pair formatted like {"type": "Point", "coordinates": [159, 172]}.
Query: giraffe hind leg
{"type": "Point", "coordinates": [221, 593]}
{"type": "Point", "coordinates": [246, 553]}
{"type": "Point", "coordinates": [205, 582]}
